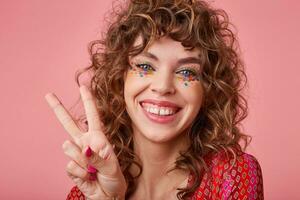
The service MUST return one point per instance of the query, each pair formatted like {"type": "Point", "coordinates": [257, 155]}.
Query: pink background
{"type": "Point", "coordinates": [43, 43]}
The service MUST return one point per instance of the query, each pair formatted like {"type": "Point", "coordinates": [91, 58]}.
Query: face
{"type": "Point", "coordinates": [163, 90]}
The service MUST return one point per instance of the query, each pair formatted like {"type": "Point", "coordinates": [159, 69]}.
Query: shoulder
{"type": "Point", "coordinates": [228, 175]}
{"type": "Point", "coordinates": [240, 162]}
{"type": "Point", "coordinates": [75, 194]}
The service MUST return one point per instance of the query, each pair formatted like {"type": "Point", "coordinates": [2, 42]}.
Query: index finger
{"type": "Point", "coordinates": [63, 116]}
{"type": "Point", "coordinates": [92, 114]}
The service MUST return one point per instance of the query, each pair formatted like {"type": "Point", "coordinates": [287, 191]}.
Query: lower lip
{"type": "Point", "coordinates": [159, 118]}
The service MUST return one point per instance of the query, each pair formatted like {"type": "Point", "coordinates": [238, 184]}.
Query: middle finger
{"type": "Point", "coordinates": [90, 109]}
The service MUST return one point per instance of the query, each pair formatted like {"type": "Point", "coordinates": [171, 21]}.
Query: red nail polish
{"type": "Point", "coordinates": [88, 152]}
{"type": "Point", "coordinates": [93, 177]}
{"type": "Point", "coordinates": [91, 169]}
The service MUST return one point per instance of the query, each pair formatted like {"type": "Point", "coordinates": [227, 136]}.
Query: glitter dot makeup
{"type": "Point", "coordinates": [187, 80]}
{"type": "Point", "coordinates": [140, 69]}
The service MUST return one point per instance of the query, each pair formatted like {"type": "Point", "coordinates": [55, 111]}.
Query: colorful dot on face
{"type": "Point", "coordinates": [148, 72]}
{"type": "Point", "coordinates": [188, 80]}
{"type": "Point", "coordinates": [140, 72]}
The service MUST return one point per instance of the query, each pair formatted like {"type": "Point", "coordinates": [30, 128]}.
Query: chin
{"type": "Point", "coordinates": [159, 136]}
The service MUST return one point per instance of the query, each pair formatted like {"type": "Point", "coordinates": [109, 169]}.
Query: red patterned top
{"type": "Point", "coordinates": [241, 181]}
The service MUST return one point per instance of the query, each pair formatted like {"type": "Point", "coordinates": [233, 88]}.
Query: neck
{"type": "Point", "coordinates": [157, 159]}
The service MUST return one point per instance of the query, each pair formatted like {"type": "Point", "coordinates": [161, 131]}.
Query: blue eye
{"type": "Point", "coordinates": [145, 67]}
{"type": "Point", "coordinates": [187, 73]}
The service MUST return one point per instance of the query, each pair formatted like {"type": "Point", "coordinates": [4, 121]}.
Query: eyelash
{"type": "Point", "coordinates": [190, 71]}
{"type": "Point", "coordinates": [145, 67]}
{"type": "Point", "coordinates": [140, 66]}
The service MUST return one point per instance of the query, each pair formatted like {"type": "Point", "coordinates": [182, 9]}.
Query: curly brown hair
{"type": "Point", "coordinates": [195, 24]}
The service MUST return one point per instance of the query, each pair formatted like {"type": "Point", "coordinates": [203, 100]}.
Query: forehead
{"type": "Point", "coordinates": [167, 47]}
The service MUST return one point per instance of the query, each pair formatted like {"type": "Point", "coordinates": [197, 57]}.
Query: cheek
{"type": "Point", "coordinates": [133, 84]}
{"type": "Point", "coordinates": [192, 92]}
{"type": "Point", "coordinates": [137, 72]}
{"type": "Point", "coordinates": [188, 81]}
{"type": "Point", "coordinates": [135, 78]}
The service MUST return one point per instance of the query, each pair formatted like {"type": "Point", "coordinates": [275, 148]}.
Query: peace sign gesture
{"type": "Point", "coordinates": [94, 167]}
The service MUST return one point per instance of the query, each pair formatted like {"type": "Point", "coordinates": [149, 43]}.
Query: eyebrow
{"type": "Point", "coordinates": [180, 61]}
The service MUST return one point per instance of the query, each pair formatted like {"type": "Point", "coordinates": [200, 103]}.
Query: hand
{"type": "Point", "coordinates": [94, 167]}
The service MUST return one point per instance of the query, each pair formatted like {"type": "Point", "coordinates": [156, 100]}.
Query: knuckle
{"type": "Point", "coordinates": [94, 115]}
{"type": "Point", "coordinates": [66, 119]}
{"type": "Point", "coordinates": [70, 175]}
{"type": "Point", "coordinates": [57, 105]}
{"type": "Point", "coordinates": [70, 166]}
{"type": "Point", "coordinates": [78, 141]}
{"type": "Point", "coordinates": [66, 145]}
{"type": "Point", "coordinates": [77, 158]}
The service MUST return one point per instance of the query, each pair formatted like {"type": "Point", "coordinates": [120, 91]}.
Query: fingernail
{"type": "Point", "coordinates": [91, 169]}
{"type": "Point", "coordinates": [88, 152]}
{"type": "Point", "coordinates": [92, 177]}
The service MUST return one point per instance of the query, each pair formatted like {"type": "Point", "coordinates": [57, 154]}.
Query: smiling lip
{"type": "Point", "coordinates": [162, 119]}
{"type": "Point", "coordinates": [160, 103]}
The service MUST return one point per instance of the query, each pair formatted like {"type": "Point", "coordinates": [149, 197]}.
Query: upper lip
{"type": "Point", "coordinates": [160, 103]}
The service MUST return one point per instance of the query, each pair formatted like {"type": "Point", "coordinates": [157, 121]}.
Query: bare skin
{"type": "Point", "coordinates": [155, 182]}
{"type": "Point", "coordinates": [157, 145]}
{"type": "Point", "coordinates": [110, 182]}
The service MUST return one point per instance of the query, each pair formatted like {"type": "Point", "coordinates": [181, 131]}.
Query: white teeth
{"type": "Point", "coordinates": [163, 112]}
{"type": "Point", "coordinates": [167, 112]}
{"type": "Point", "coordinates": [158, 110]}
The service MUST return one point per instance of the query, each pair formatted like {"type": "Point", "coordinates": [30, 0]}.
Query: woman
{"type": "Point", "coordinates": [163, 109]}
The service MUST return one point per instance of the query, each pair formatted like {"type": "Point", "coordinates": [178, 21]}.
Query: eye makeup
{"type": "Point", "coordinates": [188, 75]}
{"type": "Point", "coordinates": [141, 69]}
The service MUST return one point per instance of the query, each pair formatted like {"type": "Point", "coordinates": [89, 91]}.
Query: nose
{"type": "Point", "coordinates": [163, 83]}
